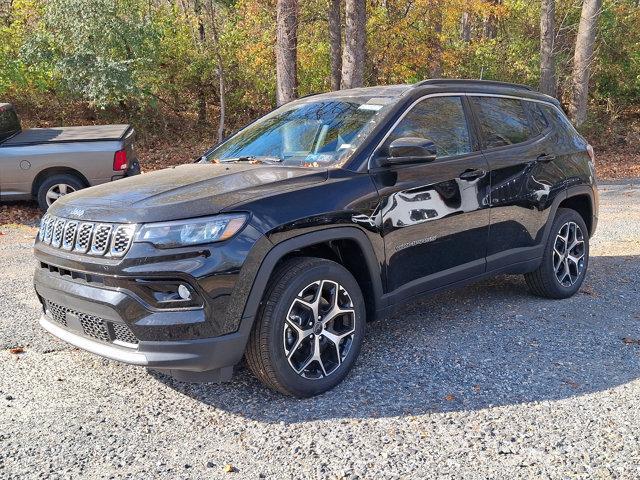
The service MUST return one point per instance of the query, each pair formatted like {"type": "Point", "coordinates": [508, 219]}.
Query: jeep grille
{"type": "Point", "coordinates": [98, 239]}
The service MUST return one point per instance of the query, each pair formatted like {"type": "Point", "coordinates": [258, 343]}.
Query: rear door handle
{"type": "Point", "coordinates": [472, 174]}
{"type": "Point", "coordinates": [544, 158]}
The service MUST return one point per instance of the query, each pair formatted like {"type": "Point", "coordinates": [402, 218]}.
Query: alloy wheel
{"type": "Point", "coordinates": [58, 190]}
{"type": "Point", "coordinates": [568, 254]}
{"type": "Point", "coordinates": [319, 329]}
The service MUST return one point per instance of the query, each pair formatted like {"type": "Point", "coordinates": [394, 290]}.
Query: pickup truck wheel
{"type": "Point", "coordinates": [565, 260]}
{"type": "Point", "coordinates": [309, 329]}
{"type": "Point", "coordinates": [56, 186]}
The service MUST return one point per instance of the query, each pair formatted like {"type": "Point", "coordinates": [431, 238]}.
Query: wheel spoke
{"type": "Point", "coordinates": [557, 263]}
{"type": "Point", "coordinates": [308, 362]}
{"type": "Point", "coordinates": [52, 195]}
{"type": "Point", "coordinates": [335, 312]}
{"type": "Point", "coordinates": [337, 337]}
{"type": "Point", "coordinates": [311, 306]}
{"type": "Point", "coordinates": [295, 347]}
{"type": "Point", "coordinates": [565, 237]}
{"type": "Point", "coordinates": [295, 326]}
{"type": "Point", "coordinates": [334, 297]}
{"type": "Point", "coordinates": [576, 243]}
{"type": "Point", "coordinates": [575, 259]}
{"type": "Point", "coordinates": [63, 189]}
{"type": "Point", "coordinates": [563, 271]}
{"type": "Point", "coordinates": [317, 355]}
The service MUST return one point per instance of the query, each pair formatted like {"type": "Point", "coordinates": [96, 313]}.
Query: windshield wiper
{"type": "Point", "coordinates": [253, 158]}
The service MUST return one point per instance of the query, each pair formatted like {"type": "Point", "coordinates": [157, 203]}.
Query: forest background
{"type": "Point", "coordinates": [188, 72]}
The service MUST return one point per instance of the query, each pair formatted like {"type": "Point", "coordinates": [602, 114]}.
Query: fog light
{"type": "Point", "coordinates": [184, 292]}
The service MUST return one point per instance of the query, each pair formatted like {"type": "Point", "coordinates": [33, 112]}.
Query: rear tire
{"type": "Point", "coordinates": [56, 186]}
{"type": "Point", "coordinates": [565, 260]}
{"type": "Point", "coordinates": [292, 349]}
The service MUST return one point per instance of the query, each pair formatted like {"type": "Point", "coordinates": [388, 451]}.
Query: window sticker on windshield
{"type": "Point", "coordinates": [370, 106]}
{"type": "Point", "coordinates": [344, 146]}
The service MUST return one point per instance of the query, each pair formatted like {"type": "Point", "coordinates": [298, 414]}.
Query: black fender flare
{"type": "Point", "coordinates": [306, 240]}
{"type": "Point", "coordinates": [572, 191]}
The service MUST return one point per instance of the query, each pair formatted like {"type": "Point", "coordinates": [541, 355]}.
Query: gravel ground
{"type": "Point", "coordinates": [482, 382]}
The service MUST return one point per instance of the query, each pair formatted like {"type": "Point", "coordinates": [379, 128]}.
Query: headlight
{"type": "Point", "coordinates": [195, 231]}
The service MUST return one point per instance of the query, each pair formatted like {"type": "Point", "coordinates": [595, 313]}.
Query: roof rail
{"type": "Point", "coordinates": [456, 81]}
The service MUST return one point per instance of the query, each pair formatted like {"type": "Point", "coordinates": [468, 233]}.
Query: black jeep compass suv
{"type": "Point", "coordinates": [280, 243]}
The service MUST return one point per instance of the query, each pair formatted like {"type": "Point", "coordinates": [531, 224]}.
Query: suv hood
{"type": "Point", "coordinates": [186, 191]}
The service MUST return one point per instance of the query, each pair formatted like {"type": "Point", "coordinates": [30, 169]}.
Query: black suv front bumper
{"type": "Point", "coordinates": [117, 308]}
{"type": "Point", "coordinates": [85, 316]}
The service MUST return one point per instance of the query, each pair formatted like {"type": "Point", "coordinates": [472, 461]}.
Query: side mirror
{"type": "Point", "coordinates": [406, 150]}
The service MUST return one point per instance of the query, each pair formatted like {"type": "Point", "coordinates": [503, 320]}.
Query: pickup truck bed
{"type": "Point", "coordinates": [35, 136]}
{"type": "Point", "coordinates": [46, 163]}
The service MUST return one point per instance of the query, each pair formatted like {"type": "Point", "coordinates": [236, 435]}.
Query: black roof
{"type": "Point", "coordinates": [467, 82]}
{"type": "Point", "coordinates": [441, 85]}
{"type": "Point", "coordinates": [484, 86]}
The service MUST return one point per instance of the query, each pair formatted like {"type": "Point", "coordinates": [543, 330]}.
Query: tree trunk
{"type": "Point", "coordinates": [221, 76]}
{"type": "Point", "coordinates": [465, 27]}
{"type": "Point", "coordinates": [286, 51]}
{"type": "Point", "coordinates": [547, 56]}
{"type": "Point", "coordinates": [490, 23]}
{"type": "Point", "coordinates": [335, 43]}
{"type": "Point", "coordinates": [202, 97]}
{"type": "Point", "coordinates": [435, 67]}
{"type": "Point", "coordinates": [582, 60]}
{"type": "Point", "coordinates": [353, 56]}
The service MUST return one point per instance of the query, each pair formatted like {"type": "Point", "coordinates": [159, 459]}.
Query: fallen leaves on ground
{"type": "Point", "coordinates": [450, 398]}
{"type": "Point", "coordinates": [24, 213]}
{"type": "Point", "coordinates": [631, 341]}
{"type": "Point", "coordinates": [587, 290]}
{"type": "Point", "coordinates": [571, 383]}
{"type": "Point", "coordinates": [228, 468]}
{"type": "Point", "coordinates": [16, 350]}
{"type": "Point", "coordinates": [612, 165]}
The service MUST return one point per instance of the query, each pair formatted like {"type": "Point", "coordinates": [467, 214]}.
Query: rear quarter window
{"type": "Point", "coordinates": [503, 121]}
{"type": "Point", "coordinates": [561, 125]}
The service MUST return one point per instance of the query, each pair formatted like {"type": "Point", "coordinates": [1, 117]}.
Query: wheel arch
{"type": "Point", "coordinates": [347, 245]}
{"type": "Point", "coordinates": [581, 202]}
{"type": "Point", "coordinates": [570, 195]}
{"type": "Point", "coordinates": [47, 172]}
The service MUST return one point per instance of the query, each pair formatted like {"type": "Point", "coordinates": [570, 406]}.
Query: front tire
{"type": "Point", "coordinates": [309, 329]}
{"type": "Point", "coordinates": [565, 260]}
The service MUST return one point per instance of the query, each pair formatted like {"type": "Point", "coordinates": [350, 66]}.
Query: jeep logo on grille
{"type": "Point", "coordinates": [76, 212]}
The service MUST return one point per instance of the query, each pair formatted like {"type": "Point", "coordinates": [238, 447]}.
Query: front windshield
{"type": "Point", "coordinates": [308, 132]}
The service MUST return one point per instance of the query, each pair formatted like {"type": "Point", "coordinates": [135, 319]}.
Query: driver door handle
{"type": "Point", "coordinates": [544, 158]}
{"type": "Point", "coordinates": [471, 174]}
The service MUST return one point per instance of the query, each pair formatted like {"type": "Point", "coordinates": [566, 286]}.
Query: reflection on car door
{"type": "Point", "coordinates": [520, 149]}
{"type": "Point", "coordinates": [434, 216]}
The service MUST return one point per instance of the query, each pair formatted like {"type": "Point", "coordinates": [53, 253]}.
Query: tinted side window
{"type": "Point", "coordinates": [503, 121]}
{"type": "Point", "coordinates": [538, 121]}
{"type": "Point", "coordinates": [439, 119]}
{"type": "Point", "coordinates": [557, 119]}
{"type": "Point", "coordinates": [562, 126]}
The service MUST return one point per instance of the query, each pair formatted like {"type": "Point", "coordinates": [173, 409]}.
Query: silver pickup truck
{"type": "Point", "coordinates": [47, 163]}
